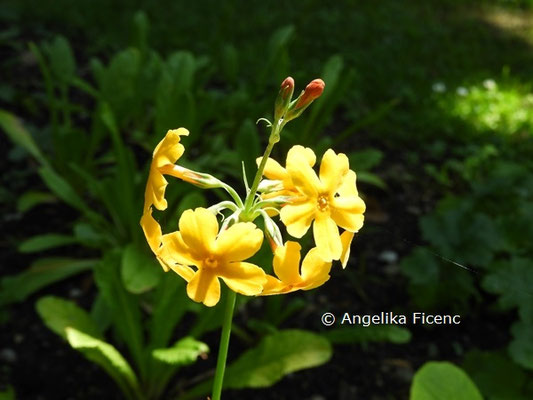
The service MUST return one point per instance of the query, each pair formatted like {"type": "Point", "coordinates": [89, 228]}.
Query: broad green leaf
{"type": "Point", "coordinates": [140, 271]}
{"type": "Point", "coordinates": [373, 333]}
{"type": "Point", "coordinates": [496, 376]}
{"type": "Point", "coordinates": [277, 355]}
{"type": "Point", "coordinates": [43, 272]}
{"type": "Point", "coordinates": [443, 381]}
{"type": "Point", "coordinates": [107, 357]}
{"type": "Point", "coordinates": [184, 352]}
{"type": "Point", "coordinates": [59, 314]}
{"type": "Point", "coordinates": [31, 199]}
{"type": "Point", "coordinates": [45, 242]}
{"type": "Point", "coordinates": [521, 347]}
{"type": "Point", "coordinates": [513, 281]}
{"type": "Point", "coordinates": [13, 127]}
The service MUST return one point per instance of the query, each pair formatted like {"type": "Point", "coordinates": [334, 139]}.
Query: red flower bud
{"type": "Point", "coordinates": [312, 91]}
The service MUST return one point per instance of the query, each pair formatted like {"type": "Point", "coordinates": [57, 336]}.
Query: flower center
{"type": "Point", "coordinates": [211, 262]}
{"type": "Point", "coordinates": [322, 203]}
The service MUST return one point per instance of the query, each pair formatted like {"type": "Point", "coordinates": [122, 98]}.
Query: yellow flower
{"type": "Point", "coordinates": [167, 152]}
{"type": "Point", "coordinates": [328, 200]}
{"type": "Point", "coordinates": [215, 255]}
{"type": "Point", "coordinates": [314, 270]}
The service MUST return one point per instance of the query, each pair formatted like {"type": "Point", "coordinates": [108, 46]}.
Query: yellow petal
{"type": "Point", "coordinates": [304, 153]}
{"type": "Point", "coordinates": [298, 217]}
{"type": "Point", "coordinates": [174, 251]}
{"type": "Point", "coordinates": [199, 230]}
{"type": "Point", "coordinates": [273, 170]}
{"type": "Point", "coordinates": [185, 272]}
{"type": "Point", "coordinates": [347, 212]}
{"type": "Point", "coordinates": [332, 170]}
{"type": "Point", "coordinates": [287, 263]}
{"type": "Point", "coordinates": [302, 174]}
{"type": "Point", "coordinates": [204, 287]}
{"type": "Point", "coordinates": [243, 277]}
{"type": "Point", "coordinates": [239, 242]}
{"type": "Point", "coordinates": [272, 286]}
{"type": "Point", "coordinates": [327, 237]}
{"type": "Point", "coordinates": [167, 152]}
{"type": "Point", "coordinates": [346, 239]}
{"type": "Point", "coordinates": [315, 271]}
{"type": "Point", "coordinates": [152, 230]}
{"type": "Point", "coordinates": [348, 185]}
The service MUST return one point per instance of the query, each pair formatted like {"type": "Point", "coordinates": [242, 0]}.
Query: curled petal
{"type": "Point", "coordinates": [275, 286]}
{"type": "Point", "coordinates": [199, 230]}
{"type": "Point", "coordinates": [239, 242]}
{"type": "Point", "coordinates": [327, 238]}
{"type": "Point", "coordinates": [204, 287]}
{"type": "Point", "coordinates": [332, 170]}
{"type": "Point", "coordinates": [243, 277]}
{"type": "Point", "coordinates": [346, 239]}
{"type": "Point", "coordinates": [167, 152]}
{"type": "Point", "coordinates": [298, 217]}
{"type": "Point", "coordinates": [152, 230]}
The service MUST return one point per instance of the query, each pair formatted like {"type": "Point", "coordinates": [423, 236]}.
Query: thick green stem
{"type": "Point", "coordinates": [224, 345]}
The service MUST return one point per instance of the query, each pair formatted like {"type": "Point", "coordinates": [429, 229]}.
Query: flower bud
{"type": "Point", "coordinates": [284, 98]}
{"type": "Point", "coordinates": [312, 92]}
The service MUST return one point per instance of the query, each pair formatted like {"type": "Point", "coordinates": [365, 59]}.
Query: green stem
{"type": "Point", "coordinates": [224, 345]}
{"type": "Point", "coordinates": [273, 139]}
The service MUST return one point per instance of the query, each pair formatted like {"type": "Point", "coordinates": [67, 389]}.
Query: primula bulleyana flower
{"type": "Point", "coordinates": [215, 255]}
{"type": "Point", "coordinates": [328, 200]}
{"type": "Point", "coordinates": [167, 152]}
{"type": "Point", "coordinates": [314, 270]}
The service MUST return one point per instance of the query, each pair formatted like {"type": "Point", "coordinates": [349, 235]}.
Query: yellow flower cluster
{"type": "Point", "coordinates": [201, 251]}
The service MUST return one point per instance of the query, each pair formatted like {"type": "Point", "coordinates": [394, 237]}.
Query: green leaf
{"type": "Point", "coordinates": [373, 333]}
{"type": "Point", "coordinates": [140, 271]}
{"type": "Point", "coordinates": [496, 376]}
{"type": "Point", "coordinates": [62, 61]}
{"type": "Point", "coordinates": [7, 394]}
{"type": "Point", "coordinates": [513, 281]}
{"type": "Point", "coordinates": [62, 188]}
{"type": "Point", "coordinates": [31, 199]}
{"type": "Point", "coordinates": [124, 305]}
{"type": "Point", "coordinates": [107, 357]}
{"type": "Point", "coordinates": [521, 347]}
{"type": "Point", "coordinates": [277, 355]}
{"type": "Point", "coordinates": [43, 272]}
{"type": "Point", "coordinates": [59, 314]}
{"type": "Point", "coordinates": [371, 179]}
{"type": "Point", "coordinates": [14, 129]}
{"type": "Point", "coordinates": [184, 352]}
{"type": "Point", "coordinates": [365, 160]}
{"type": "Point", "coordinates": [193, 199]}
{"type": "Point", "coordinates": [443, 381]}
{"type": "Point", "coordinates": [170, 304]}
{"type": "Point", "coordinates": [45, 242]}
